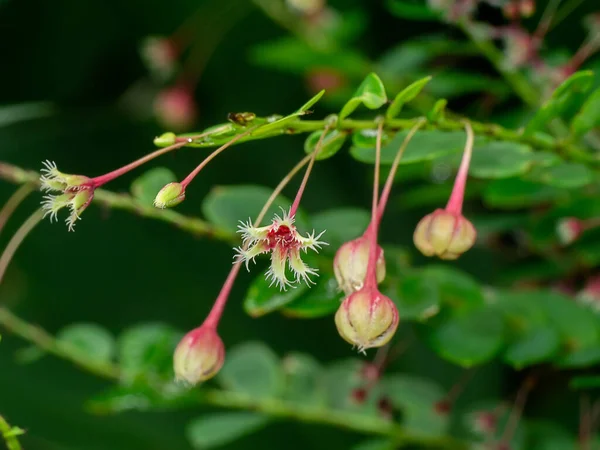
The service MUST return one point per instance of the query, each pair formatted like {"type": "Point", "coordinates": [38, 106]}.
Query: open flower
{"type": "Point", "coordinates": [285, 243]}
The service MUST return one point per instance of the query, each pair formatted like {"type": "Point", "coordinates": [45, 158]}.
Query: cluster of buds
{"type": "Point", "coordinates": [446, 233]}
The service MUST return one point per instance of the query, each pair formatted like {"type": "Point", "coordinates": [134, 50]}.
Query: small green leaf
{"type": "Point", "coordinates": [437, 111]}
{"type": "Point", "coordinates": [87, 338]}
{"type": "Point", "coordinates": [253, 369]}
{"type": "Point", "coordinates": [588, 116]}
{"type": "Point", "coordinates": [581, 357]}
{"type": "Point", "coordinates": [417, 298]}
{"type": "Point", "coordinates": [565, 175]}
{"type": "Point", "coordinates": [262, 298]}
{"type": "Point", "coordinates": [558, 102]}
{"type": "Point", "coordinates": [217, 429]}
{"type": "Point", "coordinates": [147, 348]}
{"type": "Point", "coordinates": [534, 347]}
{"type": "Point", "coordinates": [546, 435]}
{"type": "Point", "coordinates": [332, 143]}
{"type": "Point", "coordinates": [424, 146]}
{"type": "Point", "coordinates": [342, 224]}
{"type": "Point", "coordinates": [303, 379]}
{"type": "Point", "coordinates": [340, 379]}
{"type": "Point", "coordinates": [140, 397]}
{"type": "Point", "coordinates": [518, 193]}
{"type": "Point", "coordinates": [412, 10]}
{"type": "Point", "coordinates": [405, 96]}
{"type": "Point", "coordinates": [575, 323]}
{"type": "Point", "coordinates": [309, 104]}
{"type": "Point", "coordinates": [375, 444]}
{"type": "Point", "coordinates": [370, 93]}
{"type": "Point", "coordinates": [145, 187]}
{"type": "Point", "coordinates": [321, 300]}
{"type": "Point", "coordinates": [469, 338]}
{"type": "Point", "coordinates": [500, 159]}
{"type": "Point", "coordinates": [456, 289]}
{"type": "Point", "coordinates": [585, 382]}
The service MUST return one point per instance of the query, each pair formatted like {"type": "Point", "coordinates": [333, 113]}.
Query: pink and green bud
{"type": "Point", "coordinates": [199, 355]}
{"type": "Point", "coordinates": [160, 56]}
{"type": "Point", "coordinates": [165, 139]}
{"type": "Point", "coordinates": [350, 265]}
{"type": "Point", "coordinates": [590, 294]}
{"type": "Point", "coordinates": [175, 108]}
{"type": "Point", "coordinates": [569, 229]}
{"type": "Point", "coordinates": [444, 234]}
{"type": "Point", "coordinates": [367, 319]}
{"type": "Point", "coordinates": [53, 180]}
{"type": "Point", "coordinates": [170, 195]}
{"type": "Point", "coordinates": [76, 200]}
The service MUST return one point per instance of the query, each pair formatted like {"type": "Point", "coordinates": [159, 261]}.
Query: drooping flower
{"type": "Point", "coordinates": [199, 355]}
{"type": "Point", "coordinates": [350, 264]}
{"type": "Point", "coordinates": [285, 244]}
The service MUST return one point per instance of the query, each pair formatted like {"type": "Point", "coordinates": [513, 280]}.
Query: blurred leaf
{"type": "Point", "coordinates": [581, 357]}
{"type": "Point", "coordinates": [424, 146]}
{"type": "Point", "coordinates": [500, 159]}
{"type": "Point", "coordinates": [412, 10]}
{"type": "Point", "coordinates": [417, 298]}
{"type": "Point", "coordinates": [437, 111]}
{"type": "Point", "coordinates": [147, 348]}
{"type": "Point", "coordinates": [468, 338]}
{"type": "Point", "coordinates": [309, 104]}
{"type": "Point", "coordinates": [145, 187]}
{"type": "Point", "coordinates": [565, 175]}
{"type": "Point", "coordinates": [450, 83]}
{"type": "Point", "coordinates": [374, 444]}
{"type": "Point", "coordinates": [457, 290]}
{"type": "Point", "coordinates": [533, 347]}
{"type": "Point", "coordinates": [119, 399]}
{"type": "Point", "coordinates": [588, 117]}
{"type": "Point", "coordinates": [342, 224]}
{"type": "Point", "coordinates": [11, 114]}
{"type": "Point", "coordinates": [332, 143]}
{"type": "Point", "coordinates": [557, 103]}
{"type": "Point", "coordinates": [303, 379]}
{"type": "Point", "coordinates": [321, 300]}
{"type": "Point", "coordinates": [546, 435]}
{"type": "Point", "coordinates": [89, 339]}
{"type": "Point", "coordinates": [585, 382]}
{"type": "Point", "coordinates": [261, 298]}
{"type": "Point", "coordinates": [416, 398]}
{"type": "Point", "coordinates": [518, 193]}
{"type": "Point", "coordinates": [217, 429]}
{"type": "Point", "coordinates": [405, 96]}
{"type": "Point", "coordinates": [370, 93]}
{"type": "Point", "coordinates": [253, 369]}
{"type": "Point", "coordinates": [340, 379]}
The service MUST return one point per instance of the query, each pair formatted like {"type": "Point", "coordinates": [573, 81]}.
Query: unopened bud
{"type": "Point", "coordinates": [444, 234]}
{"type": "Point", "coordinates": [527, 8]}
{"type": "Point", "coordinates": [199, 355]}
{"type": "Point", "coordinates": [160, 55]}
{"type": "Point", "coordinates": [175, 108]}
{"type": "Point", "coordinates": [367, 319]}
{"type": "Point", "coordinates": [569, 229]}
{"type": "Point", "coordinates": [165, 139]}
{"type": "Point", "coordinates": [170, 195]}
{"type": "Point", "coordinates": [350, 264]}
{"type": "Point", "coordinates": [590, 294]}
{"type": "Point", "coordinates": [484, 423]}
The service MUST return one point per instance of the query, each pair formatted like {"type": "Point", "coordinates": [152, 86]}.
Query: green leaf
{"type": "Point", "coordinates": [412, 10]}
{"type": "Point", "coordinates": [405, 96]}
{"type": "Point", "coordinates": [424, 146]}
{"type": "Point", "coordinates": [468, 339]}
{"type": "Point", "coordinates": [559, 101]}
{"type": "Point", "coordinates": [145, 187]}
{"type": "Point", "coordinates": [454, 83]}
{"type": "Point", "coordinates": [140, 397]}
{"type": "Point", "coordinates": [370, 93]}
{"type": "Point", "coordinates": [565, 175]}
{"type": "Point", "coordinates": [261, 298]}
{"type": "Point", "coordinates": [500, 159]}
{"type": "Point", "coordinates": [437, 111]}
{"type": "Point", "coordinates": [253, 369]}
{"type": "Point", "coordinates": [95, 342]}
{"type": "Point", "coordinates": [375, 444]}
{"type": "Point", "coordinates": [585, 382]}
{"type": "Point", "coordinates": [342, 224]}
{"type": "Point", "coordinates": [573, 322]}
{"type": "Point", "coordinates": [11, 114]}
{"type": "Point", "coordinates": [416, 398]}
{"type": "Point", "coordinates": [519, 193]}
{"type": "Point", "coordinates": [309, 104]}
{"type": "Point", "coordinates": [303, 379]}
{"type": "Point", "coordinates": [217, 429]}
{"type": "Point", "coordinates": [225, 206]}
{"type": "Point", "coordinates": [417, 298]}
{"type": "Point", "coordinates": [535, 346]}
{"type": "Point", "coordinates": [581, 357]}
{"type": "Point", "coordinates": [546, 435]}
{"type": "Point", "coordinates": [588, 116]}
{"type": "Point", "coordinates": [147, 348]}
{"type": "Point", "coordinates": [332, 143]}
{"type": "Point", "coordinates": [319, 301]}
{"type": "Point", "coordinates": [340, 379]}
{"type": "Point", "coordinates": [456, 289]}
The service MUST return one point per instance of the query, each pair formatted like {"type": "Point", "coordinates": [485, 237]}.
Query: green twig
{"type": "Point", "coordinates": [125, 202]}
{"type": "Point", "coordinates": [233, 400]}
{"type": "Point", "coordinates": [10, 435]}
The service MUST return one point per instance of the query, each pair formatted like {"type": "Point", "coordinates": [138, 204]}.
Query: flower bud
{"type": "Point", "coordinates": [569, 229]}
{"type": "Point", "coordinates": [367, 319]}
{"type": "Point", "coordinates": [590, 294]}
{"type": "Point", "coordinates": [444, 234]}
{"type": "Point", "coordinates": [170, 195]}
{"type": "Point", "coordinates": [199, 355]}
{"type": "Point", "coordinates": [175, 108]}
{"type": "Point", "coordinates": [165, 139]}
{"type": "Point", "coordinates": [350, 264]}
{"type": "Point", "coordinates": [160, 55]}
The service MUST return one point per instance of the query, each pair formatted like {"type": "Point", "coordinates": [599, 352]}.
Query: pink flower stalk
{"type": "Point", "coordinates": [367, 318]}
{"type": "Point", "coordinates": [445, 232]}
{"type": "Point", "coordinates": [175, 108]}
{"type": "Point", "coordinates": [282, 240]}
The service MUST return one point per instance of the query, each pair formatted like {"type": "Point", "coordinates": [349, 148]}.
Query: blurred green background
{"type": "Point", "coordinates": [82, 57]}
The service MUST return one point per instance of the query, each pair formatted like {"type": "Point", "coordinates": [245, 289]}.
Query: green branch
{"type": "Point", "coordinates": [10, 435]}
{"type": "Point", "coordinates": [125, 202]}
{"type": "Point", "coordinates": [233, 400]}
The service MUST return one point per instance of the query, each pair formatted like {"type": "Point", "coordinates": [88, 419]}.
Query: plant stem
{"type": "Point", "coordinates": [13, 202]}
{"type": "Point", "coordinates": [10, 435]}
{"type": "Point", "coordinates": [455, 201]}
{"type": "Point", "coordinates": [17, 239]}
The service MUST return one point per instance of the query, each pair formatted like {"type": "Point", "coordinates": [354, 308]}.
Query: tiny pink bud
{"type": "Point", "coordinates": [325, 78]}
{"type": "Point", "coordinates": [569, 229]}
{"type": "Point", "coordinates": [484, 423]}
{"type": "Point", "coordinates": [170, 195]}
{"type": "Point", "coordinates": [444, 234]}
{"type": "Point", "coordinates": [175, 108]}
{"type": "Point", "coordinates": [442, 407]}
{"type": "Point", "coordinates": [527, 8]}
{"type": "Point", "coordinates": [367, 319]}
{"type": "Point", "coordinates": [160, 55]}
{"type": "Point", "coordinates": [358, 396]}
{"type": "Point", "coordinates": [199, 355]}
{"type": "Point", "coordinates": [306, 7]}
{"type": "Point", "coordinates": [590, 294]}
{"type": "Point", "coordinates": [350, 264]}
